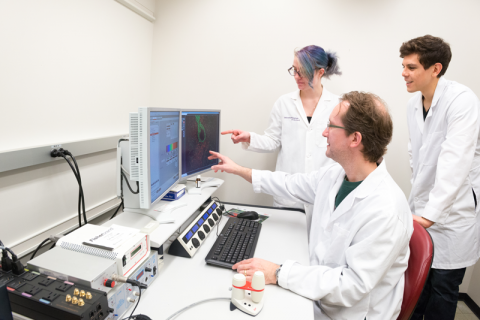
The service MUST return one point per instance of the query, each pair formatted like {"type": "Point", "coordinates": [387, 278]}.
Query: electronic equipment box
{"type": "Point", "coordinates": [93, 272]}
{"type": "Point", "coordinates": [77, 267]}
{"type": "Point", "coordinates": [188, 242]}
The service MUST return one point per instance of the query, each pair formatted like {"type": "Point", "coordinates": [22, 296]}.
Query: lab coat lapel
{"type": "Point", "coordinates": [331, 199]}
{"type": "Point", "coordinates": [299, 105]}
{"type": "Point", "coordinates": [321, 106]}
{"type": "Point", "coordinates": [361, 192]}
{"type": "Point", "coordinates": [439, 90]}
{"type": "Point", "coordinates": [419, 113]}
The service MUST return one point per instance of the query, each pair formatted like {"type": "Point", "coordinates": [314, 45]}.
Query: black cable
{"type": "Point", "coordinates": [139, 297]}
{"type": "Point", "coordinates": [81, 195]}
{"type": "Point", "coordinates": [14, 256]}
{"type": "Point", "coordinates": [61, 154]}
{"type": "Point", "coordinates": [128, 184]}
{"type": "Point", "coordinates": [38, 248]}
{"type": "Point", "coordinates": [138, 301]}
{"type": "Point", "coordinates": [121, 204]}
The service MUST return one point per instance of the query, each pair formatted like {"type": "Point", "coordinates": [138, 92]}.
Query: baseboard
{"type": "Point", "coordinates": [470, 303]}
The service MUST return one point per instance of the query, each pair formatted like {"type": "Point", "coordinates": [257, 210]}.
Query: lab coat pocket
{"type": "Point", "coordinates": [320, 140]}
{"type": "Point", "coordinates": [461, 244]}
{"type": "Point", "coordinates": [335, 253]}
{"type": "Point", "coordinates": [432, 148]}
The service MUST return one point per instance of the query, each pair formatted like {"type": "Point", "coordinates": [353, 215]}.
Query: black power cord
{"type": "Point", "coordinates": [122, 176]}
{"type": "Point", "coordinates": [113, 216]}
{"type": "Point", "coordinates": [13, 264]}
{"type": "Point", "coordinates": [80, 191]}
{"type": "Point", "coordinates": [128, 184]}
{"type": "Point", "coordinates": [81, 199]}
{"type": "Point", "coordinates": [39, 246]}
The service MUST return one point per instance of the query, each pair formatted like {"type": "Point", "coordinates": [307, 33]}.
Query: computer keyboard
{"type": "Point", "coordinates": [236, 242]}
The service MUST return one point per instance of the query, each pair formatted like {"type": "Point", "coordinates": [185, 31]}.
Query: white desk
{"type": "Point", "coordinates": [184, 281]}
{"type": "Point", "coordinates": [164, 231]}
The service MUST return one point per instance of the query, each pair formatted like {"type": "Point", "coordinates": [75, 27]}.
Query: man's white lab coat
{"type": "Point", "coordinates": [358, 251]}
{"type": "Point", "coordinates": [445, 161]}
{"type": "Point", "coordinates": [302, 146]}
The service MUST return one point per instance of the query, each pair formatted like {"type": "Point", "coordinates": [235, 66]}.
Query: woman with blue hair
{"type": "Point", "coordinates": [298, 119]}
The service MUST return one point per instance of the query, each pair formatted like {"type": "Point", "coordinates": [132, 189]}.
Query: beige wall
{"type": "Point", "coordinates": [234, 55]}
{"type": "Point", "coordinates": [69, 70]}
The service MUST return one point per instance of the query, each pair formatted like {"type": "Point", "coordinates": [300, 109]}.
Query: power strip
{"type": "Point", "coordinates": [41, 297]}
{"type": "Point", "coordinates": [188, 242]}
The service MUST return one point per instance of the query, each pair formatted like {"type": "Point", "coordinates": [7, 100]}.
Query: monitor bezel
{"type": "Point", "coordinates": [183, 178]}
{"type": "Point", "coordinates": [153, 109]}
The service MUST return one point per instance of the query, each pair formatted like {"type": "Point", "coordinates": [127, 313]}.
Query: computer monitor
{"type": "Point", "coordinates": [154, 153]}
{"type": "Point", "coordinates": [200, 134]}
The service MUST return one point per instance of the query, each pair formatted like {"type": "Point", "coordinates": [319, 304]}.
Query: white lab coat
{"type": "Point", "coordinates": [358, 251]}
{"type": "Point", "coordinates": [302, 146]}
{"type": "Point", "coordinates": [445, 161]}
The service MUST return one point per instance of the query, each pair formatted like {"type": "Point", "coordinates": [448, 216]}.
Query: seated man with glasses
{"type": "Point", "coordinates": [361, 223]}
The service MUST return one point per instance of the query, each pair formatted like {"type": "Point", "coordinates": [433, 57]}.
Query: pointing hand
{"type": "Point", "coordinates": [238, 135]}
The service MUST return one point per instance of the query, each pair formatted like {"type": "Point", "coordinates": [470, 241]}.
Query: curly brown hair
{"type": "Point", "coordinates": [430, 50]}
{"type": "Point", "coordinates": [367, 114]}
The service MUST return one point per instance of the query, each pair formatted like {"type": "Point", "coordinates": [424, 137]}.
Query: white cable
{"type": "Point", "coordinates": [194, 304]}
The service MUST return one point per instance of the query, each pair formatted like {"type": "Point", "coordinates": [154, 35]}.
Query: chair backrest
{"type": "Point", "coordinates": [419, 263]}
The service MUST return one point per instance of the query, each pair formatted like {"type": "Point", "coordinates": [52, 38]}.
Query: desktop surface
{"type": "Point", "coordinates": [184, 281]}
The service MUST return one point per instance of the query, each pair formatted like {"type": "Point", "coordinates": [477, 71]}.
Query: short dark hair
{"type": "Point", "coordinates": [368, 115]}
{"type": "Point", "coordinates": [430, 50]}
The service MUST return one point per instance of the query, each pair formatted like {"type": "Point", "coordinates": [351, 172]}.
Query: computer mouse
{"type": "Point", "coordinates": [249, 215]}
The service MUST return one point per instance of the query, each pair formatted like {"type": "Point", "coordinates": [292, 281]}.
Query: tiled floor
{"type": "Point", "coordinates": [463, 312]}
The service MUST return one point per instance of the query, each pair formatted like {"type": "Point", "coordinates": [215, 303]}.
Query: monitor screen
{"type": "Point", "coordinates": [200, 134]}
{"type": "Point", "coordinates": [164, 151]}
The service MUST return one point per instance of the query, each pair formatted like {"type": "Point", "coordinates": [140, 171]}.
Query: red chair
{"type": "Point", "coordinates": [419, 263]}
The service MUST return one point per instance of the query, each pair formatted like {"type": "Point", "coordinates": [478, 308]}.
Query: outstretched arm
{"type": "Point", "coordinates": [238, 136]}
{"type": "Point", "coordinates": [227, 165]}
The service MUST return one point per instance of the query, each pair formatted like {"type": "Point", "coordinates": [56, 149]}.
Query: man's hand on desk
{"type": "Point", "coordinates": [227, 165]}
{"type": "Point", "coordinates": [255, 264]}
{"type": "Point", "coordinates": [423, 222]}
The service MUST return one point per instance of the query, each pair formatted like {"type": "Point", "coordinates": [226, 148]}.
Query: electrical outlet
{"type": "Point", "coordinates": [50, 296]}
{"type": "Point", "coordinates": [30, 276]}
{"type": "Point", "coordinates": [33, 291]}
{"type": "Point", "coordinates": [46, 282]}
{"type": "Point", "coordinates": [63, 287]}
{"type": "Point", "coordinates": [16, 283]}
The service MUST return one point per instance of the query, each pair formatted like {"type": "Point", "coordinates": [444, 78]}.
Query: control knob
{"type": "Point", "coordinates": [195, 242]}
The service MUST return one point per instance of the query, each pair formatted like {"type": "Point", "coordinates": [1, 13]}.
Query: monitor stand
{"type": "Point", "coordinates": [194, 190]}
{"type": "Point", "coordinates": [161, 211]}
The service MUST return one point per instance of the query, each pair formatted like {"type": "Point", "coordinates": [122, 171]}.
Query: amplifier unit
{"type": "Point", "coordinates": [188, 242]}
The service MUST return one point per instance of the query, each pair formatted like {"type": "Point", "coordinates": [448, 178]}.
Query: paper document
{"type": "Point", "coordinates": [110, 238]}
